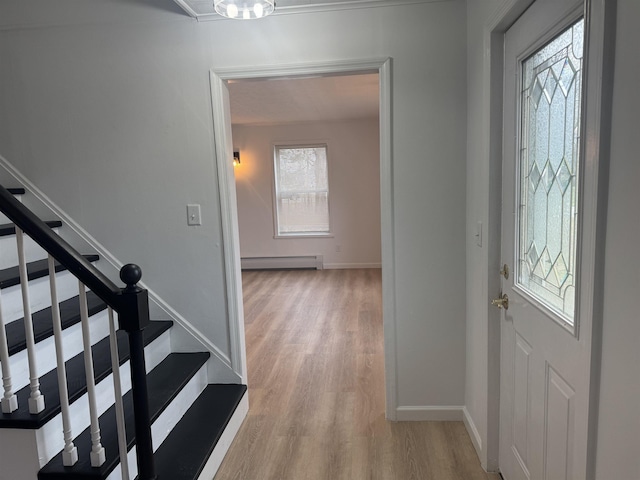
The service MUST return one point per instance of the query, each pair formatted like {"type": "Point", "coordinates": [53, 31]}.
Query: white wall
{"type": "Point", "coordinates": [619, 420]}
{"type": "Point", "coordinates": [105, 105]}
{"type": "Point", "coordinates": [479, 14]}
{"type": "Point", "coordinates": [354, 191]}
{"type": "Point", "coordinates": [619, 425]}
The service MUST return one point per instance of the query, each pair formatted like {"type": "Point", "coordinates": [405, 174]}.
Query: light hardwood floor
{"type": "Point", "coordinates": [316, 389]}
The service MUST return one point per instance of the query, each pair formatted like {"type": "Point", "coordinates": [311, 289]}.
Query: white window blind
{"type": "Point", "coordinates": [302, 190]}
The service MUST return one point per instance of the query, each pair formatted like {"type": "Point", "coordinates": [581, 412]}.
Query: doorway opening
{"type": "Point", "coordinates": [308, 195]}
{"type": "Point", "coordinates": [253, 80]}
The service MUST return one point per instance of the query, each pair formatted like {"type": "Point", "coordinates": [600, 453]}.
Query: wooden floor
{"type": "Point", "coordinates": [316, 389]}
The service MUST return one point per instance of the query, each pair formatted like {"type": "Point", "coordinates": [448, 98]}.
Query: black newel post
{"type": "Point", "coordinates": [133, 318]}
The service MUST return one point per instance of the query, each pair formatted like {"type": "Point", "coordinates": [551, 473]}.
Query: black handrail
{"type": "Point", "coordinates": [131, 303]}
{"type": "Point", "coordinates": [59, 249]}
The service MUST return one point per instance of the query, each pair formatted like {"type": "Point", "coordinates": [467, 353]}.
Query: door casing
{"type": "Point", "coordinates": [229, 212]}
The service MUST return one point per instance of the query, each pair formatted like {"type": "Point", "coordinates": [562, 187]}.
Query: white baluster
{"type": "Point", "coordinates": [9, 400]}
{"type": "Point", "coordinates": [97, 450]}
{"type": "Point", "coordinates": [70, 451]}
{"type": "Point", "coordinates": [36, 399]}
{"type": "Point", "coordinates": [117, 387]}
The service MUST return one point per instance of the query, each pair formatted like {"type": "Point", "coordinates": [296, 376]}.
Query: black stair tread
{"type": "Point", "coordinates": [38, 269]}
{"type": "Point", "coordinates": [76, 382]}
{"type": "Point", "coordinates": [164, 382]}
{"type": "Point", "coordinates": [42, 322]}
{"type": "Point", "coordinates": [10, 228]}
{"type": "Point", "coordinates": [184, 454]}
{"type": "Point", "coordinates": [16, 191]}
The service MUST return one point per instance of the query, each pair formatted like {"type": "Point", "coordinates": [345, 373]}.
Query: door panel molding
{"type": "Point", "coordinates": [559, 417]}
{"type": "Point", "coordinates": [521, 400]}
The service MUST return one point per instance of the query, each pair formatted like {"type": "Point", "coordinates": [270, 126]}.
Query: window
{"type": "Point", "coordinates": [302, 190]}
{"type": "Point", "coordinates": [549, 160]}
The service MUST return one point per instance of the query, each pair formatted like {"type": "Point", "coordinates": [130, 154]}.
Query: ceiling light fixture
{"type": "Point", "coordinates": [244, 9]}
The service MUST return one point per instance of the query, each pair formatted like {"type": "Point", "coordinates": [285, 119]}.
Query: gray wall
{"type": "Point", "coordinates": [354, 191]}
{"type": "Point", "coordinates": [619, 426]}
{"type": "Point", "coordinates": [105, 105]}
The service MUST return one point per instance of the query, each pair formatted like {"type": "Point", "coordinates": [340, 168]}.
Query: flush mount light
{"type": "Point", "coordinates": [244, 9]}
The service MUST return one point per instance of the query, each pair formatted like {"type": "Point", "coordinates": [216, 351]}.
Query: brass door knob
{"type": "Point", "coordinates": [501, 302]}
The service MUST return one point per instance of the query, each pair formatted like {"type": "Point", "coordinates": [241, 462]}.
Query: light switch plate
{"type": "Point", "coordinates": [193, 215]}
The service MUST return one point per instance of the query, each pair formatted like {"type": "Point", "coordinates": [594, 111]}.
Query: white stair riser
{"type": "Point", "coordinates": [9, 250]}
{"type": "Point", "coordinates": [39, 295]}
{"type": "Point", "coordinates": [49, 437]}
{"type": "Point", "coordinates": [4, 219]}
{"type": "Point", "coordinates": [168, 419]}
{"type": "Point", "coordinates": [46, 354]}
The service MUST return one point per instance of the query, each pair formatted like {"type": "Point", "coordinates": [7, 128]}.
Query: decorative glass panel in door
{"type": "Point", "coordinates": [549, 161]}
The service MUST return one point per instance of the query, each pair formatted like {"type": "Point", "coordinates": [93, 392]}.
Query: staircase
{"type": "Point", "coordinates": [171, 424]}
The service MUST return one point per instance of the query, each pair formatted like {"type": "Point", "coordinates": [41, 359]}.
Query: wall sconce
{"type": "Point", "coordinates": [236, 158]}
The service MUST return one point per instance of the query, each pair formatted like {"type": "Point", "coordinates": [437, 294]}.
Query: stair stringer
{"type": "Point", "coordinates": [188, 338]}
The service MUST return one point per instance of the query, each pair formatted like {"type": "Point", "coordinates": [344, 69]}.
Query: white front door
{"type": "Point", "coordinates": [545, 341]}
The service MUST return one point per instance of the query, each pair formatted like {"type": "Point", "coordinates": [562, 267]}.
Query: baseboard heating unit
{"type": "Point", "coordinates": [282, 263]}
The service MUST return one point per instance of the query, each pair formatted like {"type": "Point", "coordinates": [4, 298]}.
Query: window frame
{"type": "Point", "coordinates": [276, 222]}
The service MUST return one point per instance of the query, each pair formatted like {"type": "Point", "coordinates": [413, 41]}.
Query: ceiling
{"type": "Point", "coordinates": [203, 9]}
{"type": "Point", "coordinates": [282, 101]}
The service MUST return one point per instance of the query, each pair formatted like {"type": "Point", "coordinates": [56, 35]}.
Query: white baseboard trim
{"type": "Point", "coordinates": [282, 262]}
{"type": "Point", "coordinates": [222, 447]}
{"type": "Point", "coordinates": [472, 431]}
{"type": "Point", "coordinates": [441, 413]}
{"type": "Point", "coordinates": [344, 266]}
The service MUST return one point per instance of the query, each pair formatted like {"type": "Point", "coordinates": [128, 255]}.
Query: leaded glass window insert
{"type": "Point", "coordinates": [549, 163]}
{"type": "Point", "coordinates": [302, 190]}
